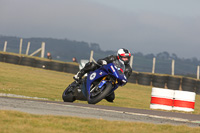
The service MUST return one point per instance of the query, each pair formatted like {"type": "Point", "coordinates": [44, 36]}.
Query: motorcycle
{"type": "Point", "coordinates": [97, 85]}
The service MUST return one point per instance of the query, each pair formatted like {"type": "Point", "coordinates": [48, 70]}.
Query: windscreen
{"type": "Point", "coordinates": [120, 66]}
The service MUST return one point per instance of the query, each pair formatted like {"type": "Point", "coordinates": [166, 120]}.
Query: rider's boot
{"type": "Point", "coordinates": [79, 76]}
{"type": "Point", "coordinates": [111, 97]}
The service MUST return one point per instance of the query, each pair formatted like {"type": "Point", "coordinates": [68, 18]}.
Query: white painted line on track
{"type": "Point", "coordinates": [131, 113]}
{"type": "Point", "coordinates": [20, 96]}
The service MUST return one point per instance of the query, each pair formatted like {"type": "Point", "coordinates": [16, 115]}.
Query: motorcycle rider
{"type": "Point", "coordinates": [123, 55]}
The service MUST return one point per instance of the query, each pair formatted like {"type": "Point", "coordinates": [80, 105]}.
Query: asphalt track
{"type": "Point", "coordinates": [110, 113]}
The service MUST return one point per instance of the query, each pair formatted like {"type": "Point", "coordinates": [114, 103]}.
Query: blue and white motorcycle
{"type": "Point", "coordinates": [97, 85]}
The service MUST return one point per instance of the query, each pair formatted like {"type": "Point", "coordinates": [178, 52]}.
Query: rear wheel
{"type": "Point", "coordinates": [68, 94]}
{"type": "Point", "coordinates": [99, 93]}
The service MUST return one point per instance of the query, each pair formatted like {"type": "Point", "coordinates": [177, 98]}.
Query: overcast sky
{"type": "Point", "coordinates": [147, 26]}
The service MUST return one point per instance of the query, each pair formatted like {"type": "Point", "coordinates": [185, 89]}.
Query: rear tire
{"type": "Point", "coordinates": [101, 96]}
{"type": "Point", "coordinates": [68, 94]}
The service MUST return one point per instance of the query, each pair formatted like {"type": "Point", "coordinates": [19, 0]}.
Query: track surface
{"type": "Point", "coordinates": [98, 111]}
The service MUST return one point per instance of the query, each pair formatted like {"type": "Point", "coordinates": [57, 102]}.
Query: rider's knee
{"type": "Point", "coordinates": [90, 66]}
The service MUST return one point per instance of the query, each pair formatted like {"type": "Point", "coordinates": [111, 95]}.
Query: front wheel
{"type": "Point", "coordinates": [105, 91]}
{"type": "Point", "coordinates": [68, 94]}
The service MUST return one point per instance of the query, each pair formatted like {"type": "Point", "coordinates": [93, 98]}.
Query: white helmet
{"type": "Point", "coordinates": [124, 53]}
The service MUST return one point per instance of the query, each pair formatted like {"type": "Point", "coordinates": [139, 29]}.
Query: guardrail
{"type": "Point", "coordinates": [166, 81]}
{"type": "Point", "coordinates": [31, 61]}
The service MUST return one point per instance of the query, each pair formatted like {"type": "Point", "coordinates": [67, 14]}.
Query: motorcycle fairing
{"type": "Point", "coordinates": [93, 76]}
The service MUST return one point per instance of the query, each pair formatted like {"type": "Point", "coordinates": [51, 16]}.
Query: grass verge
{"type": "Point", "coordinates": [36, 82]}
{"type": "Point", "coordinates": [17, 122]}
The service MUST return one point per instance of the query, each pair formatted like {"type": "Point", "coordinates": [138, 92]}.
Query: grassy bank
{"type": "Point", "coordinates": [16, 122]}
{"type": "Point", "coordinates": [35, 82]}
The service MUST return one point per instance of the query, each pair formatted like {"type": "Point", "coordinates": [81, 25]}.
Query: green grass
{"type": "Point", "coordinates": [16, 122]}
{"type": "Point", "coordinates": [35, 82]}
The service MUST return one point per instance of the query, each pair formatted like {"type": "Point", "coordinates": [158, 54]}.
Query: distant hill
{"type": "Point", "coordinates": [65, 50]}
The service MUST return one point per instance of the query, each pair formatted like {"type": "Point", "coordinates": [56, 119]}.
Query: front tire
{"type": "Point", "coordinates": [102, 95]}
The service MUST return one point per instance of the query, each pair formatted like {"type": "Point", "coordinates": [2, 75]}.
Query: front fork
{"type": "Point", "coordinates": [104, 81]}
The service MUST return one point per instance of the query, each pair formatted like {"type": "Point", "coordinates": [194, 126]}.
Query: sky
{"type": "Point", "coordinates": [147, 26]}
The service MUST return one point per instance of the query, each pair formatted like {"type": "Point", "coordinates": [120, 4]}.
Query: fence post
{"type": "Point", "coordinates": [5, 46]}
{"type": "Point", "coordinates": [197, 72]}
{"type": "Point", "coordinates": [91, 55]}
{"type": "Point", "coordinates": [131, 61]}
{"type": "Point", "coordinates": [28, 47]}
{"type": "Point", "coordinates": [20, 46]}
{"type": "Point", "coordinates": [154, 63]}
{"type": "Point", "coordinates": [40, 50]}
{"type": "Point", "coordinates": [43, 49]}
{"type": "Point", "coordinates": [173, 63]}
